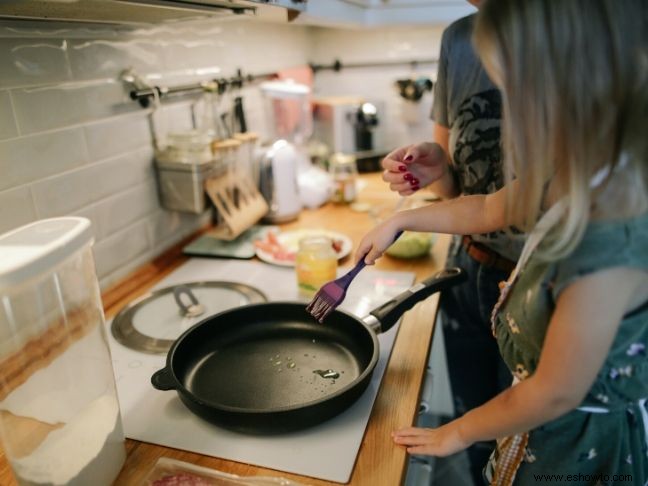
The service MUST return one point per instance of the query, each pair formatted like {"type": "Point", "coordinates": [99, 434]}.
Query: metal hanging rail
{"type": "Point", "coordinates": [338, 65]}
{"type": "Point", "coordinates": [143, 95]}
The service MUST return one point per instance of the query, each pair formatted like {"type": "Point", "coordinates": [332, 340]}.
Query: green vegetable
{"type": "Point", "coordinates": [411, 245]}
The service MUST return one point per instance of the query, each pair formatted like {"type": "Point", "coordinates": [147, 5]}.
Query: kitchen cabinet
{"type": "Point", "coordinates": [143, 11]}
{"type": "Point", "coordinates": [375, 13]}
{"type": "Point", "coordinates": [397, 404]}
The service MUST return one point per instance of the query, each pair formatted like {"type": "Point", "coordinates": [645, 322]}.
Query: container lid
{"type": "Point", "coordinates": [246, 137]}
{"type": "Point", "coordinates": [153, 322]}
{"type": "Point", "coordinates": [228, 143]}
{"type": "Point", "coordinates": [189, 140]}
{"type": "Point", "coordinates": [35, 249]}
{"type": "Point", "coordinates": [162, 161]}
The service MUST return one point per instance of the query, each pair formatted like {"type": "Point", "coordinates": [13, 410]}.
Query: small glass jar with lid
{"type": "Point", "coordinates": [316, 264]}
{"type": "Point", "coordinates": [345, 174]}
{"type": "Point", "coordinates": [248, 155]}
{"type": "Point", "coordinates": [190, 147]}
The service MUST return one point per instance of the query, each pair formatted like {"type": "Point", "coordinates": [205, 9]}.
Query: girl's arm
{"type": "Point", "coordinates": [445, 187]}
{"type": "Point", "coordinates": [463, 215]}
{"type": "Point", "coordinates": [579, 337]}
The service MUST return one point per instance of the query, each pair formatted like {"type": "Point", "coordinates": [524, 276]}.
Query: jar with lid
{"type": "Point", "coordinates": [183, 167]}
{"type": "Point", "coordinates": [190, 147]}
{"type": "Point", "coordinates": [248, 155]}
{"type": "Point", "coordinates": [345, 174]}
{"type": "Point", "coordinates": [316, 264]}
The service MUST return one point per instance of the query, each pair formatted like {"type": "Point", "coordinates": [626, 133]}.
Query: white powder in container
{"type": "Point", "coordinates": [87, 450]}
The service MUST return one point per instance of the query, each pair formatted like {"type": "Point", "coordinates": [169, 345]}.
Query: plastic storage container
{"type": "Point", "coordinates": [183, 167]}
{"type": "Point", "coordinates": [59, 416]}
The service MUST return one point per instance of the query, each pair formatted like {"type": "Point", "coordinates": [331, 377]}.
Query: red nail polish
{"type": "Point", "coordinates": [409, 158]}
{"type": "Point", "coordinates": [415, 188]}
{"type": "Point", "coordinates": [414, 181]}
{"type": "Point", "coordinates": [402, 168]}
{"type": "Point", "coordinates": [408, 177]}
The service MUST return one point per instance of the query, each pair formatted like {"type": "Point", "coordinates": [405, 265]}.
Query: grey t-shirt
{"type": "Point", "coordinates": [468, 103]}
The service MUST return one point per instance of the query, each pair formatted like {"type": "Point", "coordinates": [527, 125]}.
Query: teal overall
{"type": "Point", "coordinates": [605, 440]}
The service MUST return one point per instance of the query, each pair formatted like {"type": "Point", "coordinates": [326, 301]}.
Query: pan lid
{"type": "Point", "coordinates": [153, 322]}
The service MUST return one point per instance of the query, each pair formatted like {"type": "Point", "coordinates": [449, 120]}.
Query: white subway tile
{"type": "Point", "coordinates": [8, 127]}
{"type": "Point", "coordinates": [79, 188]}
{"type": "Point", "coordinates": [167, 227]}
{"type": "Point", "coordinates": [123, 270]}
{"type": "Point", "coordinates": [107, 58]}
{"type": "Point", "coordinates": [27, 159]}
{"type": "Point", "coordinates": [117, 136]}
{"type": "Point", "coordinates": [33, 61]}
{"type": "Point", "coordinates": [16, 208]}
{"type": "Point", "coordinates": [120, 248]}
{"type": "Point", "coordinates": [121, 210]}
{"type": "Point", "coordinates": [45, 108]}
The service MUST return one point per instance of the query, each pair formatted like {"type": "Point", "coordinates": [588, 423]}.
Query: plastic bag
{"type": "Point", "coordinates": [170, 472]}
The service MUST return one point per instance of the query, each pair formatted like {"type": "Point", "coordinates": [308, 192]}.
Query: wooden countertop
{"type": "Point", "coordinates": [379, 462]}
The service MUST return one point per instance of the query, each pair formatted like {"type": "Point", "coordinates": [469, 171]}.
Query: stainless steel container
{"type": "Point", "coordinates": [182, 168]}
{"type": "Point", "coordinates": [182, 185]}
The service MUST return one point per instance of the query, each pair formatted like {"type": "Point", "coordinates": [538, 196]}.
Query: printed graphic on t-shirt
{"type": "Point", "coordinates": [477, 150]}
{"type": "Point", "coordinates": [477, 157]}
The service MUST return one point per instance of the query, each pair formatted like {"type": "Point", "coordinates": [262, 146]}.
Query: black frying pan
{"type": "Point", "coordinates": [267, 368]}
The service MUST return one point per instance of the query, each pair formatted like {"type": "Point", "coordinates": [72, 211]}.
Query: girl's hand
{"type": "Point", "coordinates": [374, 243]}
{"type": "Point", "coordinates": [443, 441]}
{"type": "Point", "coordinates": [412, 167]}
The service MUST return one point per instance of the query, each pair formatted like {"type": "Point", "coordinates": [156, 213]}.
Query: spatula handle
{"type": "Point", "coordinates": [361, 264]}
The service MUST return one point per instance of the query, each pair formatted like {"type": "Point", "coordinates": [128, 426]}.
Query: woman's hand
{"type": "Point", "coordinates": [407, 169]}
{"type": "Point", "coordinates": [441, 442]}
{"type": "Point", "coordinates": [374, 243]}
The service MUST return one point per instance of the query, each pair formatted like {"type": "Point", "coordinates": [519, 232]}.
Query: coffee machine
{"type": "Point", "coordinates": [350, 125]}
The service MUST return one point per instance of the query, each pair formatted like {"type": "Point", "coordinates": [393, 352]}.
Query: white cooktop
{"type": "Point", "coordinates": [326, 451]}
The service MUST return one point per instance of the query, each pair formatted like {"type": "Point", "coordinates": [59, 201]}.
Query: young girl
{"type": "Point", "coordinates": [572, 320]}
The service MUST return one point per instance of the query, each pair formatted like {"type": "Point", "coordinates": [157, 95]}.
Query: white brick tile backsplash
{"type": "Point", "coordinates": [8, 127]}
{"type": "Point", "coordinates": [57, 195]}
{"type": "Point", "coordinates": [107, 58]}
{"type": "Point", "coordinates": [117, 136]}
{"type": "Point", "coordinates": [16, 208]}
{"type": "Point", "coordinates": [33, 61]}
{"type": "Point", "coordinates": [120, 210]}
{"type": "Point", "coordinates": [45, 108]}
{"type": "Point", "coordinates": [121, 247]}
{"type": "Point", "coordinates": [166, 228]}
{"type": "Point", "coordinates": [27, 159]}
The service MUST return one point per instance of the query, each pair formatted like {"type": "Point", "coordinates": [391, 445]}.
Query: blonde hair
{"type": "Point", "coordinates": [574, 77]}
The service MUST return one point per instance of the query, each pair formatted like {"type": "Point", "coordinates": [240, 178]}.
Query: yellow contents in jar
{"type": "Point", "coordinates": [316, 264]}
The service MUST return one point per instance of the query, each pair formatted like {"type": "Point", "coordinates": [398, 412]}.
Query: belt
{"type": "Point", "coordinates": [487, 257]}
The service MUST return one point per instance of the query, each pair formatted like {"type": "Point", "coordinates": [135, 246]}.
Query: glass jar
{"type": "Point", "coordinates": [248, 155]}
{"type": "Point", "coordinates": [345, 174]}
{"type": "Point", "coordinates": [190, 147]}
{"type": "Point", "coordinates": [316, 264]}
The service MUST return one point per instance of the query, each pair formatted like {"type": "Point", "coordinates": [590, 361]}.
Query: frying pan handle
{"type": "Point", "coordinates": [163, 380]}
{"type": "Point", "coordinates": [389, 313]}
